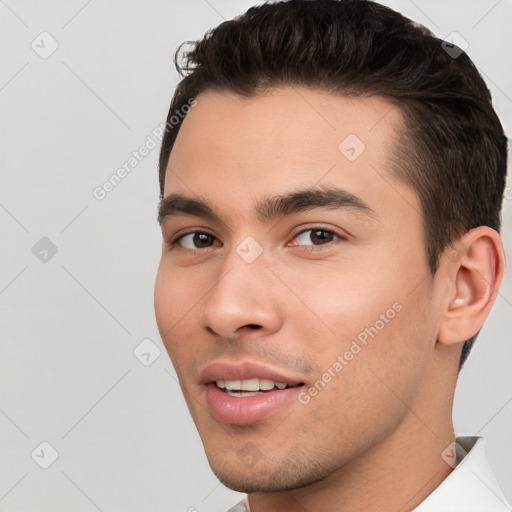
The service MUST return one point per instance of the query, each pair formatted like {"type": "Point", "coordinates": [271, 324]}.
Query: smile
{"type": "Point", "coordinates": [249, 387]}
{"type": "Point", "coordinates": [244, 394]}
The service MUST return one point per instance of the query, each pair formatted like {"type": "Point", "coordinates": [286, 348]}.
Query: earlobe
{"type": "Point", "coordinates": [475, 277]}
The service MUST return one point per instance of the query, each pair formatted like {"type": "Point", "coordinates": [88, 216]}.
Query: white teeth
{"type": "Point", "coordinates": [266, 384]}
{"type": "Point", "coordinates": [249, 385]}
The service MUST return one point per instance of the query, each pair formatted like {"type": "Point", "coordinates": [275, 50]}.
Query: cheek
{"type": "Point", "coordinates": [359, 397]}
{"type": "Point", "coordinates": [172, 306]}
{"type": "Point", "coordinates": [163, 301]}
{"type": "Point", "coordinates": [333, 304]}
{"type": "Point", "coordinates": [368, 326]}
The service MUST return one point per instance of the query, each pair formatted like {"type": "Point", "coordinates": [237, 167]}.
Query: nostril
{"type": "Point", "coordinates": [254, 326]}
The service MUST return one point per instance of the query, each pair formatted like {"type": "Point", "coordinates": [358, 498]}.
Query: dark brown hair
{"type": "Point", "coordinates": [452, 150]}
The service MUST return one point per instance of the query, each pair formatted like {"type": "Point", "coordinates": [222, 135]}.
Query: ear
{"type": "Point", "coordinates": [474, 268]}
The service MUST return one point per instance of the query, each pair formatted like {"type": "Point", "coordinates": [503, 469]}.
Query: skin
{"type": "Point", "coordinates": [372, 439]}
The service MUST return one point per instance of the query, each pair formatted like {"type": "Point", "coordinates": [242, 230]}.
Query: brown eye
{"type": "Point", "coordinates": [321, 236]}
{"type": "Point", "coordinates": [195, 240]}
{"type": "Point", "coordinates": [316, 236]}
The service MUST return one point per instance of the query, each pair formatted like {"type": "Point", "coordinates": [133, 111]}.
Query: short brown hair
{"type": "Point", "coordinates": [453, 150]}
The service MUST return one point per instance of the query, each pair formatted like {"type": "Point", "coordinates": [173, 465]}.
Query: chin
{"type": "Point", "coordinates": [267, 476]}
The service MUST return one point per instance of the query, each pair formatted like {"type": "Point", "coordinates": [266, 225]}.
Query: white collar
{"type": "Point", "coordinates": [470, 487]}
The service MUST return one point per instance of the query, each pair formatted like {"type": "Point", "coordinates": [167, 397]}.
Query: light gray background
{"type": "Point", "coordinates": [70, 325]}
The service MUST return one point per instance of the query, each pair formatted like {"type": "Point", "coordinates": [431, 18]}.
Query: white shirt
{"type": "Point", "coordinates": [470, 487]}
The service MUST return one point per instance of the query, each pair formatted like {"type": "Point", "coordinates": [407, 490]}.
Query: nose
{"type": "Point", "coordinates": [242, 299]}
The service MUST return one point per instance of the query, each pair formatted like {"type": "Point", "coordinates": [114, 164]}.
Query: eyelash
{"type": "Point", "coordinates": [308, 248]}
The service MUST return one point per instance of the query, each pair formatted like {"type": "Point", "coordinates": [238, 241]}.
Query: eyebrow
{"type": "Point", "coordinates": [269, 208]}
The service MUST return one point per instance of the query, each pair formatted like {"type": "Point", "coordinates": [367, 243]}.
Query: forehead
{"type": "Point", "coordinates": [239, 148]}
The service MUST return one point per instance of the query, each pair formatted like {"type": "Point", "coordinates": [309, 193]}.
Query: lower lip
{"type": "Point", "coordinates": [248, 409]}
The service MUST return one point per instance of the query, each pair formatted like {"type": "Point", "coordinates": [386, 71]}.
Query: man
{"type": "Point", "coordinates": [331, 183]}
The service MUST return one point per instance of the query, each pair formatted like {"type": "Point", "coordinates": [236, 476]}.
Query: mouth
{"type": "Point", "coordinates": [245, 394]}
{"type": "Point", "coordinates": [251, 387]}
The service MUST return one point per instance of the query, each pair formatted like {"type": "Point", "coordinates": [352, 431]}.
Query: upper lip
{"type": "Point", "coordinates": [243, 371]}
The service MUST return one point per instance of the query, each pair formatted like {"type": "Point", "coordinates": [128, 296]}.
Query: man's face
{"type": "Point", "coordinates": [334, 301]}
